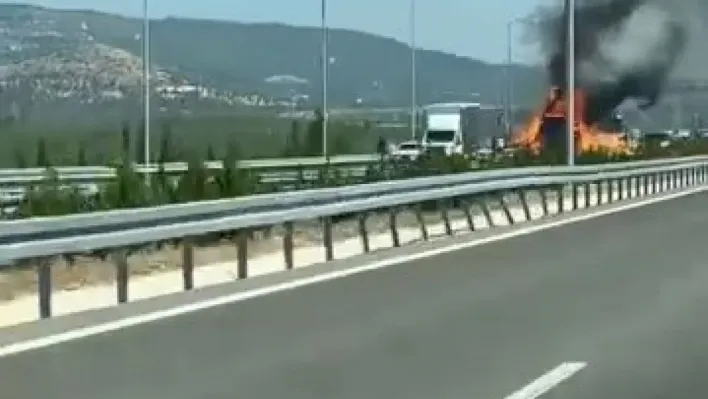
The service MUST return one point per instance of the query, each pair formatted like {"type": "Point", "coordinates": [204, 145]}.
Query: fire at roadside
{"type": "Point", "coordinates": [617, 59]}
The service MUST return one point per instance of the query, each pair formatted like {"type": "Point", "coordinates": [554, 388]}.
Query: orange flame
{"type": "Point", "coordinates": [587, 137]}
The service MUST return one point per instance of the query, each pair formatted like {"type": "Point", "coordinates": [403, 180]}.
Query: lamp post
{"type": "Point", "coordinates": [146, 87]}
{"type": "Point", "coordinates": [507, 79]}
{"type": "Point", "coordinates": [570, 10]}
{"type": "Point", "coordinates": [508, 76]}
{"type": "Point", "coordinates": [414, 77]}
{"type": "Point", "coordinates": [325, 79]}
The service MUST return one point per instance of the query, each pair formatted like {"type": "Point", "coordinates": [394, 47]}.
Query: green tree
{"type": "Point", "coordinates": [141, 144]}
{"type": "Point", "coordinates": [128, 190]}
{"type": "Point", "coordinates": [210, 154]}
{"type": "Point", "coordinates": [125, 142]}
{"type": "Point", "coordinates": [194, 184]}
{"type": "Point", "coordinates": [292, 142]}
{"type": "Point", "coordinates": [20, 157]}
{"type": "Point", "coordinates": [42, 157]}
{"type": "Point", "coordinates": [340, 144]}
{"type": "Point", "coordinates": [314, 140]}
{"type": "Point", "coordinates": [81, 159]}
{"type": "Point", "coordinates": [166, 144]}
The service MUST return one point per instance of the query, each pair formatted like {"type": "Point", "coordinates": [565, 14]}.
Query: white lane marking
{"type": "Point", "coordinates": [548, 381]}
{"type": "Point", "coordinates": [130, 321]}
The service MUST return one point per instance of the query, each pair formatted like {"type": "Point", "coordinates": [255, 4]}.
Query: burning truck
{"type": "Point", "coordinates": [547, 130]}
{"type": "Point", "coordinates": [617, 59]}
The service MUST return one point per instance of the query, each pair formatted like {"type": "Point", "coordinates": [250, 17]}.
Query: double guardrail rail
{"type": "Point", "coordinates": [119, 232]}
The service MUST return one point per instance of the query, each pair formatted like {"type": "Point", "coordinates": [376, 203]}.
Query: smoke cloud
{"type": "Point", "coordinates": [624, 49]}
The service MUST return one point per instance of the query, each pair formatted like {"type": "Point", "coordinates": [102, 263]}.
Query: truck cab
{"type": "Point", "coordinates": [447, 126]}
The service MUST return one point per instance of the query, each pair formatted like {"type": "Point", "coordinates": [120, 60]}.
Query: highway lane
{"type": "Point", "coordinates": [626, 293]}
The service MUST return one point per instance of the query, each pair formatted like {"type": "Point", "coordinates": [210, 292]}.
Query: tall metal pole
{"type": "Point", "coordinates": [414, 73]}
{"type": "Point", "coordinates": [507, 79]}
{"type": "Point", "coordinates": [570, 95]}
{"type": "Point", "coordinates": [146, 79]}
{"type": "Point", "coordinates": [325, 79]}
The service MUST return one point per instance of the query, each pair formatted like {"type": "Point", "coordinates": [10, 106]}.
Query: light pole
{"type": "Point", "coordinates": [146, 79]}
{"type": "Point", "coordinates": [507, 78]}
{"type": "Point", "coordinates": [325, 78]}
{"type": "Point", "coordinates": [414, 77]}
{"type": "Point", "coordinates": [570, 9]}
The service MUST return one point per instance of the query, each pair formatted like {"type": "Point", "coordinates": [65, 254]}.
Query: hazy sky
{"type": "Point", "coordinates": [475, 28]}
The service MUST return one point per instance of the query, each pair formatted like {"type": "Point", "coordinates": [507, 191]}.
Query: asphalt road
{"type": "Point", "coordinates": [626, 293]}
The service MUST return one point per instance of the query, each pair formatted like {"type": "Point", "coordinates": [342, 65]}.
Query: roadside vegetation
{"type": "Point", "coordinates": [131, 189]}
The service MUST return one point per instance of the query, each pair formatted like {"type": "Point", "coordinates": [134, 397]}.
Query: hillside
{"type": "Point", "coordinates": [87, 54]}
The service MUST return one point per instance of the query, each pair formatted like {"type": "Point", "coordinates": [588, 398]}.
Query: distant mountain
{"type": "Point", "coordinates": [48, 54]}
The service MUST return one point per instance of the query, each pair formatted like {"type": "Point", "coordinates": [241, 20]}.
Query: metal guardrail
{"type": "Point", "coordinates": [38, 239]}
{"type": "Point", "coordinates": [100, 173]}
{"type": "Point", "coordinates": [286, 172]}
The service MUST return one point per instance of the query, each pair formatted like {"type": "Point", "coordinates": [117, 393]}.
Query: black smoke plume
{"type": "Point", "coordinates": [624, 49]}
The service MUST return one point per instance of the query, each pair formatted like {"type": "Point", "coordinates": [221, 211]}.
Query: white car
{"type": "Point", "coordinates": [408, 150]}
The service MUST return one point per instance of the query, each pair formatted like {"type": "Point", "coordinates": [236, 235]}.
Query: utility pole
{"type": "Point", "coordinates": [507, 79]}
{"type": "Point", "coordinates": [146, 88]}
{"type": "Point", "coordinates": [325, 79]}
{"type": "Point", "coordinates": [570, 95]}
{"type": "Point", "coordinates": [414, 77]}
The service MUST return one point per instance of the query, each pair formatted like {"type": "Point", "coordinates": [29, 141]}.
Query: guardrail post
{"type": "Point", "coordinates": [645, 181]}
{"type": "Point", "coordinates": [586, 192]}
{"type": "Point", "coordinates": [679, 178]}
{"type": "Point", "coordinates": [655, 180]}
{"type": "Point", "coordinates": [120, 259]}
{"type": "Point", "coordinates": [487, 212]}
{"type": "Point", "coordinates": [288, 245]}
{"type": "Point", "coordinates": [574, 193]}
{"type": "Point", "coordinates": [525, 204]}
{"type": "Point", "coordinates": [445, 215]}
{"type": "Point", "coordinates": [242, 249]}
{"type": "Point", "coordinates": [44, 287]}
{"type": "Point", "coordinates": [600, 192]}
{"type": "Point", "coordinates": [421, 222]}
{"type": "Point", "coordinates": [505, 209]}
{"type": "Point", "coordinates": [188, 264]}
{"type": "Point", "coordinates": [468, 214]}
{"type": "Point", "coordinates": [327, 238]}
{"type": "Point", "coordinates": [363, 232]}
{"type": "Point", "coordinates": [610, 191]}
{"type": "Point", "coordinates": [393, 227]}
{"type": "Point", "coordinates": [544, 201]}
{"type": "Point", "coordinates": [696, 175]}
{"type": "Point", "coordinates": [620, 189]}
{"type": "Point", "coordinates": [560, 199]}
